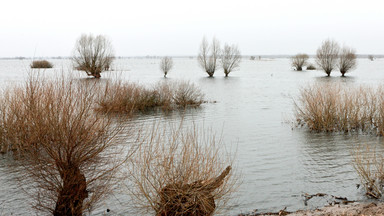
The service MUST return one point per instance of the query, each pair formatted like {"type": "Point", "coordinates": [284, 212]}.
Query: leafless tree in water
{"type": "Point", "coordinates": [347, 60]}
{"type": "Point", "coordinates": [208, 55]}
{"type": "Point", "coordinates": [70, 153]}
{"type": "Point", "coordinates": [93, 54]}
{"type": "Point", "coordinates": [327, 55]}
{"type": "Point", "coordinates": [230, 58]}
{"type": "Point", "coordinates": [299, 60]}
{"type": "Point", "coordinates": [166, 65]}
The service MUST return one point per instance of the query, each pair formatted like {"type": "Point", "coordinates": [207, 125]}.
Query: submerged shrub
{"type": "Point", "coordinates": [41, 64]}
{"type": "Point", "coordinates": [65, 149]}
{"type": "Point", "coordinates": [166, 65]}
{"type": "Point", "coordinates": [299, 60]}
{"type": "Point", "coordinates": [122, 97]}
{"type": "Point", "coordinates": [187, 94]}
{"type": "Point", "coordinates": [208, 56]}
{"type": "Point", "coordinates": [369, 165]}
{"type": "Point", "coordinates": [339, 108]}
{"type": "Point", "coordinates": [347, 60]}
{"type": "Point", "coordinates": [230, 58]}
{"type": "Point", "coordinates": [93, 55]}
{"type": "Point", "coordinates": [327, 55]}
{"type": "Point", "coordinates": [311, 67]}
{"type": "Point", "coordinates": [180, 171]}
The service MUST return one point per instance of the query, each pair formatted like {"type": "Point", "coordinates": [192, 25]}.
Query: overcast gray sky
{"type": "Point", "coordinates": [176, 27]}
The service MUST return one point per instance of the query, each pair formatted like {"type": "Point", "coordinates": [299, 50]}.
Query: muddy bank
{"type": "Point", "coordinates": [354, 209]}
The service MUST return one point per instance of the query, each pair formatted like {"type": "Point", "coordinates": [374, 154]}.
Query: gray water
{"type": "Point", "coordinates": [254, 111]}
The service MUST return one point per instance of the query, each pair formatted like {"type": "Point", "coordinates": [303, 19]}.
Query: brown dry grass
{"type": "Point", "coordinates": [68, 152]}
{"type": "Point", "coordinates": [41, 64]}
{"type": "Point", "coordinates": [339, 108]}
{"type": "Point", "coordinates": [181, 171]}
{"type": "Point", "coordinates": [124, 97]}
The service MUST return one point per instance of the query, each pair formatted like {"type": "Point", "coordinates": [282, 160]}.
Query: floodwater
{"type": "Point", "coordinates": [254, 111]}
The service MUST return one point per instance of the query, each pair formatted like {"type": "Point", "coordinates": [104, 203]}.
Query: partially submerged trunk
{"type": "Point", "coordinates": [210, 73]}
{"type": "Point", "coordinates": [72, 194]}
{"type": "Point", "coordinates": [190, 199]}
{"type": "Point", "coordinates": [226, 72]}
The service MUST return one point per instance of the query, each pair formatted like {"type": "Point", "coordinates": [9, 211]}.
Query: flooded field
{"type": "Point", "coordinates": [253, 109]}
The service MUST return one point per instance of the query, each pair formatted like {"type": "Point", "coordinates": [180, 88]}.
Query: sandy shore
{"type": "Point", "coordinates": [355, 209]}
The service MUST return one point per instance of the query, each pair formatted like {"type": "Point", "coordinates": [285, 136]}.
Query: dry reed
{"type": "Point", "coordinates": [123, 97]}
{"type": "Point", "coordinates": [41, 64]}
{"type": "Point", "coordinates": [339, 108]}
{"type": "Point", "coordinates": [180, 171]}
{"type": "Point", "coordinates": [68, 152]}
{"type": "Point", "coordinates": [369, 165]}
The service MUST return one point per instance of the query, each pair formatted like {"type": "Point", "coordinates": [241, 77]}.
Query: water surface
{"type": "Point", "coordinates": [253, 110]}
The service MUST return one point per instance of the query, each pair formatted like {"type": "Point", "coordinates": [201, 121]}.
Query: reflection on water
{"type": "Point", "coordinates": [278, 163]}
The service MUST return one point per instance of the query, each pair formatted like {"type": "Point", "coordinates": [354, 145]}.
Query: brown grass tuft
{"type": "Point", "coordinates": [181, 171]}
{"type": "Point", "coordinates": [338, 108]}
{"type": "Point", "coordinates": [41, 64]}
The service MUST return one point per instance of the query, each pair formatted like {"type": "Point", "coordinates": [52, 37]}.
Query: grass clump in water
{"type": "Point", "coordinates": [311, 67]}
{"type": "Point", "coordinates": [41, 64]}
{"type": "Point", "coordinates": [330, 107]}
{"type": "Point", "coordinates": [124, 97]}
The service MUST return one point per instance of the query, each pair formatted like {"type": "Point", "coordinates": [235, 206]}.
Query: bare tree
{"type": "Point", "coordinates": [299, 60]}
{"type": "Point", "coordinates": [230, 58]}
{"type": "Point", "coordinates": [166, 65]}
{"type": "Point", "coordinates": [69, 152]}
{"type": "Point", "coordinates": [93, 54]}
{"type": "Point", "coordinates": [347, 60]}
{"type": "Point", "coordinates": [208, 56]}
{"type": "Point", "coordinates": [326, 56]}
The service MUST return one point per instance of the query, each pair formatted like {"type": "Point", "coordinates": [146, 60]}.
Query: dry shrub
{"type": "Point", "coordinates": [41, 64]}
{"type": "Point", "coordinates": [299, 60]}
{"type": "Point", "coordinates": [338, 108]}
{"type": "Point", "coordinates": [123, 97]}
{"type": "Point", "coordinates": [187, 94]}
{"type": "Point", "coordinates": [68, 152]}
{"type": "Point", "coordinates": [311, 67]}
{"type": "Point", "coordinates": [369, 165]}
{"type": "Point", "coordinates": [93, 54]}
{"type": "Point", "coordinates": [181, 171]}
